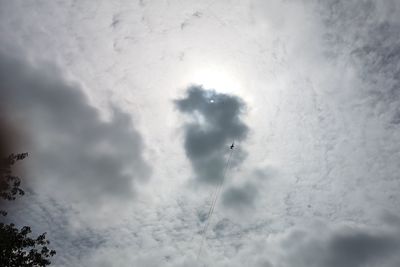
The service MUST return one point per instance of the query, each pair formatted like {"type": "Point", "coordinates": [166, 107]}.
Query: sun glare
{"type": "Point", "coordinates": [214, 78]}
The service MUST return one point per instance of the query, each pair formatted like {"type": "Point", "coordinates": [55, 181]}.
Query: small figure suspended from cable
{"type": "Point", "coordinates": [214, 200]}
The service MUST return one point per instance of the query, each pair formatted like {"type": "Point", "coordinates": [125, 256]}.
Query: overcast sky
{"type": "Point", "coordinates": [128, 109]}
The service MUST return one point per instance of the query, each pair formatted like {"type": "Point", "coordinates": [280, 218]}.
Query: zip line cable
{"type": "Point", "coordinates": [215, 197]}
{"type": "Point", "coordinates": [213, 204]}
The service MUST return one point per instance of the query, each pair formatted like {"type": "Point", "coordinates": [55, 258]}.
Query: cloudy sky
{"type": "Point", "coordinates": [128, 109]}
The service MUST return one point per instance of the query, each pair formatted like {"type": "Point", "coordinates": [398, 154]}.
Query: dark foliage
{"type": "Point", "coordinates": [17, 249]}
{"type": "Point", "coordinates": [9, 184]}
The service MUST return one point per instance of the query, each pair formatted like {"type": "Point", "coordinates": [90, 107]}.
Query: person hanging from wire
{"type": "Point", "coordinates": [214, 200]}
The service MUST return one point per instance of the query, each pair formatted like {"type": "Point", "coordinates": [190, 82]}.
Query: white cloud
{"type": "Point", "coordinates": [320, 83]}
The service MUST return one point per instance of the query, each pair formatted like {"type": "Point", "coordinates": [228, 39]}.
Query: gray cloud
{"type": "Point", "coordinates": [72, 146]}
{"type": "Point", "coordinates": [322, 245]}
{"type": "Point", "coordinates": [240, 197]}
{"type": "Point", "coordinates": [345, 247]}
{"type": "Point", "coordinates": [358, 248]}
{"type": "Point", "coordinates": [366, 33]}
{"type": "Point", "coordinates": [215, 123]}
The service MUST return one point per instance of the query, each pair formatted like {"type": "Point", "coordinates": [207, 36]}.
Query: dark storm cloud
{"type": "Point", "coordinates": [345, 247]}
{"type": "Point", "coordinates": [215, 123]}
{"type": "Point", "coordinates": [71, 145]}
{"type": "Point", "coordinates": [240, 197]}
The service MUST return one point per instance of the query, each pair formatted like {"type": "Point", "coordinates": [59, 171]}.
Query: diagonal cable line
{"type": "Point", "coordinates": [215, 197]}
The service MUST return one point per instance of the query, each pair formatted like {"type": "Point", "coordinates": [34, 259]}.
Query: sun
{"type": "Point", "coordinates": [214, 78]}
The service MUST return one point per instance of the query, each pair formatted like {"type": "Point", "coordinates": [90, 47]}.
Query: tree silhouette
{"type": "Point", "coordinates": [17, 249]}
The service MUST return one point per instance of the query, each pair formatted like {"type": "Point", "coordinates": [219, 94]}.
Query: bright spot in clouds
{"type": "Point", "coordinates": [214, 78]}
